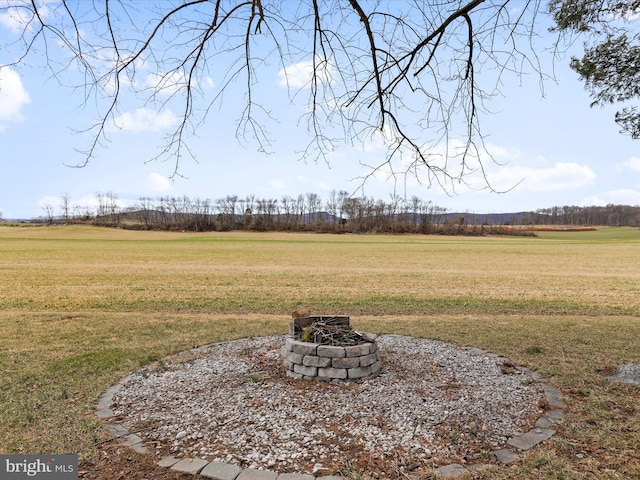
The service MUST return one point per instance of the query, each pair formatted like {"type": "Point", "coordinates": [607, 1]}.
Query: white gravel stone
{"type": "Point", "coordinates": [234, 401]}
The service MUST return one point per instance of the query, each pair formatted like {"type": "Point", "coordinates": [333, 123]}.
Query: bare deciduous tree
{"type": "Point", "coordinates": [412, 75]}
{"type": "Point", "coordinates": [48, 210]}
{"type": "Point", "coordinates": [65, 207]}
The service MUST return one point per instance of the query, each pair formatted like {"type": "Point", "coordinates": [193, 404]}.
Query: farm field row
{"type": "Point", "coordinates": [81, 307]}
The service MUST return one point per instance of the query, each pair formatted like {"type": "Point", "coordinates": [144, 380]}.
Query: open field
{"type": "Point", "coordinates": [80, 307]}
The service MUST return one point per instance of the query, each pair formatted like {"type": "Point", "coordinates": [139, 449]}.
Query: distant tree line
{"type": "Point", "coordinates": [338, 213]}
{"type": "Point", "coordinates": [610, 215]}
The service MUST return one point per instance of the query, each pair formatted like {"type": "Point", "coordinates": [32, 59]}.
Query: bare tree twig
{"type": "Point", "coordinates": [407, 71]}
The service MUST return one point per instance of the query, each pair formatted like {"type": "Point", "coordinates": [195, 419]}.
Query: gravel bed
{"type": "Point", "coordinates": [433, 403]}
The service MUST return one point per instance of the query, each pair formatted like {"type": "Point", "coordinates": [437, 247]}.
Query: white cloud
{"type": "Point", "coordinates": [15, 19]}
{"type": "Point", "coordinates": [498, 151]}
{"type": "Point", "coordinates": [561, 176]}
{"type": "Point", "coordinates": [623, 196]}
{"type": "Point", "coordinates": [448, 156]}
{"type": "Point", "coordinates": [144, 120]}
{"type": "Point", "coordinates": [20, 18]}
{"type": "Point", "coordinates": [172, 82]}
{"type": "Point", "coordinates": [299, 74]}
{"type": "Point", "coordinates": [542, 177]}
{"type": "Point", "coordinates": [50, 202]}
{"type": "Point", "coordinates": [159, 183]}
{"type": "Point", "coordinates": [380, 140]}
{"type": "Point", "coordinates": [11, 20]}
{"type": "Point", "coordinates": [166, 84]}
{"type": "Point", "coordinates": [87, 202]}
{"type": "Point", "coordinates": [13, 96]}
{"type": "Point", "coordinates": [633, 164]}
{"type": "Point", "coordinates": [277, 184]}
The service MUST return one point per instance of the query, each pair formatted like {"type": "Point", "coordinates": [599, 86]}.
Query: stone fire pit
{"type": "Point", "coordinates": [325, 348]}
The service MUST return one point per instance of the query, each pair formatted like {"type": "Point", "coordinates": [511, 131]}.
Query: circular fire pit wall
{"type": "Point", "coordinates": [314, 361]}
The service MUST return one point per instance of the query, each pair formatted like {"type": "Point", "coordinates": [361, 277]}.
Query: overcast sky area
{"type": "Point", "coordinates": [551, 149]}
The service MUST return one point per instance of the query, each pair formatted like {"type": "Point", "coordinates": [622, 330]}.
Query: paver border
{"type": "Point", "coordinates": [217, 470]}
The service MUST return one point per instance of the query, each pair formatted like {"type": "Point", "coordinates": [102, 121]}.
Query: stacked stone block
{"type": "Point", "coordinates": [312, 361]}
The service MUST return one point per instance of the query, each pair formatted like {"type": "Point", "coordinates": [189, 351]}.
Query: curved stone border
{"type": "Point", "coordinates": [311, 361]}
{"type": "Point", "coordinates": [224, 471]}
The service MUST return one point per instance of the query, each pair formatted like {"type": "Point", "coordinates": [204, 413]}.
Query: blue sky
{"type": "Point", "coordinates": [553, 149]}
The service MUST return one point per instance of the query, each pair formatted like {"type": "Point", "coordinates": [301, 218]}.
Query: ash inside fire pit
{"type": "Point", "coordinates": [327, 348]}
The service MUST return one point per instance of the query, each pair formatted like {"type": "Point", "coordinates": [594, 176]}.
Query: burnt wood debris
{"type": "Point", "coordinates": [332, 331]}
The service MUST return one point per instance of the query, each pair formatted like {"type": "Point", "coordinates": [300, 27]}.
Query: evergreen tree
{"type": "Point", "coordinates": [610, 67]}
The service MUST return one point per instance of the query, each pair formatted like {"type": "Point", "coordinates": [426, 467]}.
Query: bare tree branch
{"type": "Point", "coordinates": [410, 71]}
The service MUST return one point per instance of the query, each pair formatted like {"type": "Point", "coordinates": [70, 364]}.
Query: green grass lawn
{"type": "Point", "coordinates": [81, 307]}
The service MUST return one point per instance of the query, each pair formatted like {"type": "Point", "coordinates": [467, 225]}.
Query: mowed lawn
{"type": "Point", "coordinates": [81, 307]}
